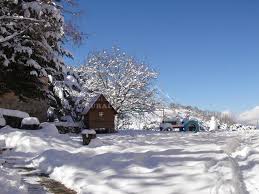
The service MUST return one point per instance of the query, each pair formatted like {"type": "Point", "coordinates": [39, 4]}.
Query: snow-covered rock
{"type": "Point", "coordinates": [88, 135]}
{"type": "Point", "coordinates": [13, 117]}
{"type": "Point", "coordinates": [13, 113]}
{"type": "Point", "coordinates": [88, 131]}
{"type": "Point", "coordinates": [30, 121]}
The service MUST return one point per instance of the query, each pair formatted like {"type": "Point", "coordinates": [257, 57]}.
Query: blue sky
{"type": "Point", "coordinates": [207, 51]}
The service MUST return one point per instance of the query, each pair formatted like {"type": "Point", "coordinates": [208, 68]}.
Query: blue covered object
{"type": "Point", "coordinates": [191, 125]}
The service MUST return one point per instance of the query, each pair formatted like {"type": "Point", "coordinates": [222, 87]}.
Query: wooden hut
{"type": "Point", "coordinates": [99, 115]}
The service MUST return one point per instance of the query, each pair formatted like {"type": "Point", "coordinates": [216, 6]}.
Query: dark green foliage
{"type": "Point", "coordinates": [19, 81]}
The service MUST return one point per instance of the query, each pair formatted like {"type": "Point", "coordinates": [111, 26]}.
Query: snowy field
{"type": "Point", "coordinates": [139, 161]}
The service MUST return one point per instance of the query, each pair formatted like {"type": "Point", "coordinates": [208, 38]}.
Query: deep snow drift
{"type": "Point", "coordinates": [143, 161]}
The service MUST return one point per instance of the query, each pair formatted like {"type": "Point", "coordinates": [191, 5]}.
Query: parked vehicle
{"type": "Point", "coordinates": [176, 124]}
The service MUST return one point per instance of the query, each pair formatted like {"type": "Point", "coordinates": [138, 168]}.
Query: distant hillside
{"type": "Point", "coordinates": [152, 120]}
{"type": "Point", "coordinates": [205, 115]}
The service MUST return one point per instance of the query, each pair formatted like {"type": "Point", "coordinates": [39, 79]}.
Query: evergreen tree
{"type": "Point", "coordinates": [31, 35]}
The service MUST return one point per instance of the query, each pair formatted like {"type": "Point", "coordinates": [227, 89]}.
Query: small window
{"type": "Point", "coordinates": [101, 114]}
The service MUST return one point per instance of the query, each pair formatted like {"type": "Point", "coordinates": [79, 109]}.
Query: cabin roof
{"type": "Point", "coordinates": [91, 101]}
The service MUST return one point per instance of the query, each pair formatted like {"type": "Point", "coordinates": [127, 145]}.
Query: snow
{"type": "Point", "coordinates": [50, 78]}
{"type": "Point", "coordinates": [2, 121]}
{"type": "Point", "coordinates": [67, 118]}
{"type": "Point", "coordinates": [30, 121]}
{"type": "Point", "coordinates": [213, 124]}
{"type": "Point", "coordinates": [68, 124]}
{"type": "Point", "coordinates": [71, 81]}
{"type": "Point", "coordinates": [34, 73]}
{"type": "Point", "coordinates": [32, 63]}
{"type": "Point", "coordinates": [138, 161]}
{"type": "Point", "coordinates": [10, 182]}
{"type": "Point", "coordinates": [88, 131]}
{"type": "Point", "coordinates": [15, 113]}
{"type": "Point", "coordinates": [90, 102]}
{"type": "Point", "coordinates": [2, 144]}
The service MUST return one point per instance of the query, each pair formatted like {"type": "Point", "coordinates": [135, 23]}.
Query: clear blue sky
{"type": "Point", "coordinates": [207, 51]}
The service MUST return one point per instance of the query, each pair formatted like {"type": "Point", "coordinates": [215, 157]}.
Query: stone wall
{"type": "Point", "coordinates": [35, 107]}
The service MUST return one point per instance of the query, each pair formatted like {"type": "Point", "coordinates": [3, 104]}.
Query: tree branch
{"type": "Point", "coordinates": [2, 40]}
{"type": "Point", "coordinates": [20, 18]}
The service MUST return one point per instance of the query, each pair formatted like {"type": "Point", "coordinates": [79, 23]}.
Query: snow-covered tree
{"type": "Point", "coordinates": [126, 82]}
{"type": "Point", "coordinates": [31, 35]}
{"type": "Point", "coordinates": [66, 96]}
{"type": "Point", "coordinates": [227, 117]}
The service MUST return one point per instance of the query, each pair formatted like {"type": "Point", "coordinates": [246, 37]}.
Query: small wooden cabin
{"type": "Point", "coordinates": [99, 115]}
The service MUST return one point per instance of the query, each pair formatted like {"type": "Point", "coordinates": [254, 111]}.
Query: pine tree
{"type": "Point", "coordinates": [31, 35]}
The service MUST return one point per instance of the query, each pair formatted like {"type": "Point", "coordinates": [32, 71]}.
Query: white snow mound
{"type": "Point", "coordinates": [30, 121]}
{"type": "Point", "coordinates": [88, 132]}
{"type": "Point", "coordinates": [15, 113]}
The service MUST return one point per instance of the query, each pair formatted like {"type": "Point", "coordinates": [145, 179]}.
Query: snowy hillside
{"type": "Point", "coordinates": [141, 161]}
{"type": "Point", "coordinates": [152, 120]}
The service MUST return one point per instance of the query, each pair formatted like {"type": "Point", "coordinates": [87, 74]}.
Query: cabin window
{"type": "Point", "coordinates": [101, 114]}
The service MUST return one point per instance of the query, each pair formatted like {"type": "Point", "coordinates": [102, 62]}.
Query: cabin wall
{"type": "Point", "coordinates": [106, 121]}
{"type": "Point", "coordinates": [100, 116]}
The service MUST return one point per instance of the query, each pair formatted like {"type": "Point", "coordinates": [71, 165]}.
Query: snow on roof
{"type": "Point", "coordinates": [14, 113]}
{"type": "Point", "coordinates": [89, 102]}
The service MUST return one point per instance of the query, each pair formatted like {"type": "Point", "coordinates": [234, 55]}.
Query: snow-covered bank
{"type": "Point", "coordinates": [143, 161]}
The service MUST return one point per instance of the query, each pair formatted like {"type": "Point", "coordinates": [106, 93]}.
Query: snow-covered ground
{"type": "Point", "coordinates": [142, 161]}
{"type": "Point", "coordinates": [10, 180]}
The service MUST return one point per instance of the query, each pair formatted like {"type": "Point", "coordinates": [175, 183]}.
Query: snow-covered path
{"type": "Point", "coordinates": [144, 162]}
